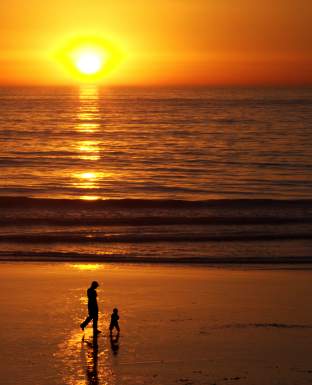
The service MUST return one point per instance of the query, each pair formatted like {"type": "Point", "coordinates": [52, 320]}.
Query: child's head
{"type": "Point", "coordinates": [115, 310]}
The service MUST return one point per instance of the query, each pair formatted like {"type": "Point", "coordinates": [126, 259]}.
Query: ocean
{"type": "Point", "coordinates": [185, 174]}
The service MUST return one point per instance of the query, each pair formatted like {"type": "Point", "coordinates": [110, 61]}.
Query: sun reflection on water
{"type": "Point", "coordinates": [88, 149]}
{"type": "Point", "coordinates": [89, 179]}
{"type": "Point", "coordinates": [86, 126]}
{"type": "Point", "coordinates": [88, 113]}
{"type": "Point", "coordinates": [88, 175]}
{"type": "Point", "coordinates": [89, 197]}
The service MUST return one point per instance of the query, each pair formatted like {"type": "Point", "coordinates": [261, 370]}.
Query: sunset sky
{"type": "Point", "coordinates": [217, 42]}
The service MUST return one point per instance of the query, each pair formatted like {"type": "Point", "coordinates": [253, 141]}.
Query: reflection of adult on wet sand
{"type": "Point", "coordinates": [92, 362]}
{"type": "Point", "coordinates": [93, 309]}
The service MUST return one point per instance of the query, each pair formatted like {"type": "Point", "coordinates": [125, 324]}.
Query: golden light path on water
{"type": "Point", "coordinates": [88, 112]}
{"type": "Point", "coordinates": [88, 123]}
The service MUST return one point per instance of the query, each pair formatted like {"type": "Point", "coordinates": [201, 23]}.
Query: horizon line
{"type": "Point", "coordinates": [162, 85]}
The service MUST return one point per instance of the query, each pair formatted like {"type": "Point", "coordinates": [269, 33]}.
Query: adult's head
{"type": "Point", "coordinates": [94, 284]}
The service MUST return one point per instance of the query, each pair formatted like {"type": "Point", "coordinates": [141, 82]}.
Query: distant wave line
{"type": "Point", "coordinates": [27, 202]}
{"type": "Point", "coordinates": [31, 256]}
{"type": "Point", "coordinates": [148, 238]}
{"type": "Point", "coordinates": [21, 220]}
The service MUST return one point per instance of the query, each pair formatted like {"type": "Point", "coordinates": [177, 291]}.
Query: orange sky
{"type": "Point", "coordinates": [215, 42]}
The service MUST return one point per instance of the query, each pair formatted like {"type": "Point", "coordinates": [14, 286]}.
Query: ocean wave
{"type": "Point", "coordinates": [25, 201]}
{"type": "Point", "coordinates": [23, 211]}
{"type": "Point", "coordinates": [140, 221]}
{"type": "Point", "coordinates": [148, 238]}
{"type": "Point", "coordinates": [133, 258]}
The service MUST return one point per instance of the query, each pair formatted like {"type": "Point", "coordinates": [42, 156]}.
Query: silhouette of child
{"type": "Point", "coordinates": [114, 321]}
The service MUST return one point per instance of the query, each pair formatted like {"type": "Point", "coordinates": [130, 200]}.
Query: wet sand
{"type": "Point", "coordinates": [179, 325]}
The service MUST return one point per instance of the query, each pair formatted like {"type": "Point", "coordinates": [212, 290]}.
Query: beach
{"type": "Point", "coordinates": [180, 324]}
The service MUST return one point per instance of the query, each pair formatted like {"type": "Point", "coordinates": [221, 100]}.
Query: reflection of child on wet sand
{"type": "Point", "coordinates": [114, 321]}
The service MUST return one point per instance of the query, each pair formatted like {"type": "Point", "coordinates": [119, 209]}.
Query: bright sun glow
{"type": "Point", "coordinates": [89, 63]}
{"type": "Point", "coordinates": [89, 59]}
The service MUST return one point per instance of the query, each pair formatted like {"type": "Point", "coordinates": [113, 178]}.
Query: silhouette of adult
{"type": "Point", "coordinates": [93, 309]}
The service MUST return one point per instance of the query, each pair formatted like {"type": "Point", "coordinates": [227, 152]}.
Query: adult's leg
{"type": "Point", "coordinates": [85, 322]}
{"type": "Point", "coordinates": [95, 317]}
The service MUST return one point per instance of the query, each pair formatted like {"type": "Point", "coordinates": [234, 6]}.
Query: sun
{"type": "Point", "coordinates": [89, 63]}
{"type": "Point", "coordinates": [88, 59]}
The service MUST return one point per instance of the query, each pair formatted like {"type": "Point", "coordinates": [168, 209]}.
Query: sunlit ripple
{"type": "Point", "coordinates": [88, 150]}
{"type": "Point", "coordinates": [86, 180]}
{"type": "Point", "coordinates": [87, 127]}
{"type": "Point", "coordinates": [89, 179]}
{"type": "Point", "coordinates": [89, 157]}
{"type": "Point", "coordinates": [88, 146]}
{"type": "Point", "coordinates": [89, 197]}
